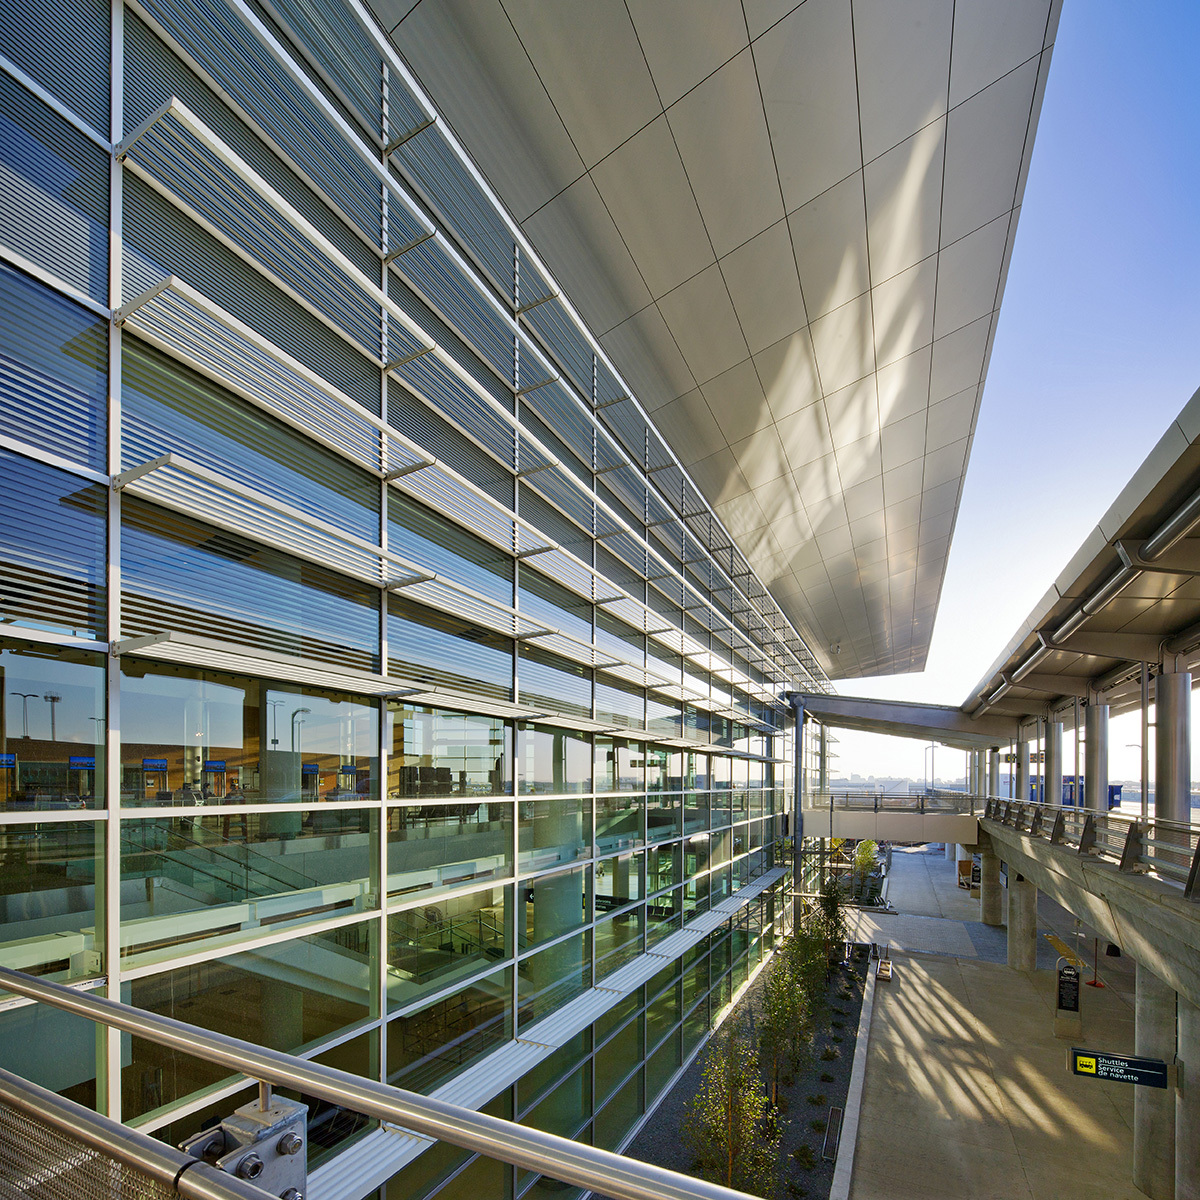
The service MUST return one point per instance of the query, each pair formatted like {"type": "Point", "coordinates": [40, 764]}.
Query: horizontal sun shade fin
{"type": "Point", "coordinates": [212, 34]}
{"type": "Point", "coordinates": [190, 327]}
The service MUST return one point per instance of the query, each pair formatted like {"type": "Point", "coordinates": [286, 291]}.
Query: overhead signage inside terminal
{"type": "Point", "coordinates": [1120, 1068]}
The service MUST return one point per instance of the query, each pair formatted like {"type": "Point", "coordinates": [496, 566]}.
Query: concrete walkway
{"type": "Point", "coordinates": [967, 1093]}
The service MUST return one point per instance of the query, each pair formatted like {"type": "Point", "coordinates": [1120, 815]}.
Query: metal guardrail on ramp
{"type": "Point", "coordinates": [560, 1158]}
{"type": "Point", "coordinates": [54, 1149]}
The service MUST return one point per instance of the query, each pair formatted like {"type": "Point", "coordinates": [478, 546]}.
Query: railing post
{"type": "Point", "coordinates": [1087, 839]}
{"type": "Point", "coordinates": [1191, 889]}
{"type": "Point", "coordinates": [1060, 827]}
{"type": "Point", "coordinates": [1131, 852]}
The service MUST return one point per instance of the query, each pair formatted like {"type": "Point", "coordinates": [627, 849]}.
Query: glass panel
{"type": "Point", "coordinates": [616, 1016]}
{"type": "Point", "coordinates": [547, 679]}
{"type": "Point", "coordinates": [48, 913]}
{"type": "Point", "coordinates": [441, 650]}
{"type": "Point", "coordinates": [620, 765]}
{"type": "Point", "coordinates": [439, 753]}
{"type": "Point", "coordinates": [168, 408]}
{"type": "Point", "coordinates": [52, 1048]}
{"type": "Point", "coordinates": [664, 915]}
{"type": "Point", "coordinates": [553, 831]}
{"type": "Point", "coordinates": [53, 371]}
{"type": "Point", "coordinates": [619, 1115]}
{"type": "Point", "coordinates": [53, 554]}
{"type": "Point", "coordinates": [544, 600]}
{"type": "Point", "coordinates": [223, 866]}
{"type": "Point", "coordinates": [660, 1066]}
{"type": "Point", "coordinates": [618, 638]}
{"type": "Point", "coordinates": [662, 1015]}
{"type": "Point", "coordinates": [618, 940]}
{"type": "Point", "coordinates": [618, 822]}
{"type": "Point", "coordinates": [429, 947]}
{"type": "Point", "coordinates": [618, 882]}
{"type": "Point", "coordinates": [56, 186]}
{"type": "Point", "coordinates": [552, 905]}
{"type": "Point", "coordinates": [695, 1026]}
{"type": "Point", "coordinates": [287, 997]}
{"type": "Point", "coordinates": [437, 544]}
{"type": "Point", "coordinates": [663, 815]}
{"type": "Point", "coordinates": [548, 979]}
{"type": "Point", "coordinates": [182, 574]}
{"type": "Point", "coordinates": [554, 760]}
{"type": "Point", "coordinates": [662, 867]}
{"type": "Point", "coordinates": [617, 1058]}
{"type": "Point", "coordinates": [427, 1047]}
{"type": "Point", "coordinates": [695, 982]}
{"type": "Point", "coordinates": [195, 737]}
{"type": "Point", "coordinates": [51, 728]}
{"type": "Point", "coordinates": [619, 703]}
{"type": "Point", "coordinates": [568, 1108]}
{"type": "Point", "coordinates": [664, 769]}
{"type": "Point", "coordinates": [695, 812]}
{"type": "Point", "coordinates": [664, 716]}
{"type": "Point", "coordinates": [434, 847]}
{"type": "Point", "coordinates": [533, 1084]}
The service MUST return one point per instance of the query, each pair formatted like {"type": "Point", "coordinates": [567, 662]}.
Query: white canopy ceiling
{"type": "Point", "coordinates": [789, 226]}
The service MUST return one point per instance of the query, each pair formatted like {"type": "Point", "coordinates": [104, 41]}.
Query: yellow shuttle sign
{"type": "Point", "coordinates": [1120, 1068]}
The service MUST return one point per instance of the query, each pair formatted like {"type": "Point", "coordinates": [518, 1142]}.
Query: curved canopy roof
{"type": "Point", "coordinates": [789, 226]}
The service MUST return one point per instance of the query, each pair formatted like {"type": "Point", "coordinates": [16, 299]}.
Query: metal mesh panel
{"type": "Point", "coordinates": [39, 1163]}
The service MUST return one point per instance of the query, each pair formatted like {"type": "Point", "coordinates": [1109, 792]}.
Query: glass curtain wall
{"type": "Point", "coordinates": [355, 698]}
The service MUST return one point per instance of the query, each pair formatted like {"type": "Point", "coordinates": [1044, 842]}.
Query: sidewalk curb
{"type": "Point", "coordinates": [844, 1166]}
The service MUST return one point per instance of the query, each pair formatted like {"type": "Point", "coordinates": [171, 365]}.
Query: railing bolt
{"type": "Point", "coordinates": [250, 1167]}
{"type": "Point", "coordinates": [290, 1143]}
{"type": "Point", "coordinates": [292, 1194]}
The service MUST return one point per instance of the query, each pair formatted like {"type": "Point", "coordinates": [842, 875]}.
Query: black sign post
{"type": "Point", "coordinates": [1068, 988]}
{"type": "Point", "coordinates": [1120, 1068]}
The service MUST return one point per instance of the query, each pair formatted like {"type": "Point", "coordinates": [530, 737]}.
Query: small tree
{"type": "Point", "coordinates": [809, 966]}
{"type": "Point", "coordinates": [831, 917]}
{"type": "Point", "coordinates": [725, 1125]}
{"type": "Point", "coordinates": [784, 1027]}
{"type": "Point", "coordinates": [866, 858]}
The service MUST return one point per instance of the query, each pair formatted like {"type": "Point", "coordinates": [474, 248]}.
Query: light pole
{"type": "Point", "coordinates": [25, 699]}
{"type": "Point", "coordinates": [296, 713]}
{"type": "Point", "coordinates": [52, 699]}
{"type": "Point", "coordinates": [276, 705]}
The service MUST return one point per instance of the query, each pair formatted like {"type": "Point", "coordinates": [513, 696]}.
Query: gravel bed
{"type": "Point", "coordinates": [660, 1140]}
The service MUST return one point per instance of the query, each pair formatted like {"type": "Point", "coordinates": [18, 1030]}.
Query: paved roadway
{"type": "Point", "coordinates": [967, 1095]}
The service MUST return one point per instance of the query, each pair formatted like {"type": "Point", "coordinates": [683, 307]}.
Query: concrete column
{"type": "Point", "coordinates": [1054, 732]}
{"type": "Point", "coordinates": [1154, 1108]}
{"type": "Point", "coordinates": [1172, 742]}
{"type": "Point", "coordinates": [1022, 923]}
{"type": "Point", "coordinates": [993, 787]}
{"type": "Point", "coordinates": [991, 894]}
{"type": "Point", "coordinates": [1023, 772]}
{"type": "Point", "coordinates": [949, 851]}
{"type": "Point", "coordinates": [1187, 1105]}
{"type": "Point", "coordinates": [1095, 763]}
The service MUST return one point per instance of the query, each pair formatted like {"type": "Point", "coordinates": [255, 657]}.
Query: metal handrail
{"type": "Point", "coordinates": [183, 1173]}
{"type": "Point", "coordinates": [1173, 851]}
{"type": "Point", "coordinates": [584, 1166]}
{"type": "Point", "coordinates": [936, 801]}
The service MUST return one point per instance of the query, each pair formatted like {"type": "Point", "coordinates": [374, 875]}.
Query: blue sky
{"type": "Point", "coordinates": [1097, 349]}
